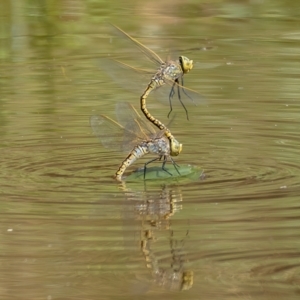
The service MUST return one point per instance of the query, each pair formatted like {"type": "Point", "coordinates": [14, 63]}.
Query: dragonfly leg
{"type": "Point", "coordinates": [164, 163]}
{"type": "Point", "coordinates": [165, 159]}
{"type": "Point", "coordinates": [172, 92]}
{"type": "Point", "coordinates": [176, 166]}
{"type": "Point", "coordinates": [187, 93]}
{"type": "Point", "coordinates": [149, 162]}
{"type": "Point", "coordinates": [179, 96]}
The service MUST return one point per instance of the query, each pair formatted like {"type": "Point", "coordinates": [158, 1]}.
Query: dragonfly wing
{"type": "Point", "coordinates": [150, 54]}
{"type": "Point", "coordinates": [174, 94]}
{"type": "Point", "coordinates": [129, 117]}
{"type": "Point", "coordinates": [135, 79]}
{"type": "Point", "coordinates": [112, 134]}
{"type": "Point", "coordinates": [127, 77]}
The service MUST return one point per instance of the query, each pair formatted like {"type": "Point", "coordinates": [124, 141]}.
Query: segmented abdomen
{"type": "Point", "coordinates": [153, 85]}
{"type": "Point", "coordinates": [137, 152]}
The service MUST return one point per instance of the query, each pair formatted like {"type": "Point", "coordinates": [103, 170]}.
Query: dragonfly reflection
{"type": "Point", "coordinates": [163, 251]}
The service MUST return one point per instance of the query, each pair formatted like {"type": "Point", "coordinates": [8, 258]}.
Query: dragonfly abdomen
{"type": "Point", "coordinates": [136, 153]}
{"type": "Point", "coordinates": [152, 85]}
{"type": "Point", "coordinates": [175, 147]}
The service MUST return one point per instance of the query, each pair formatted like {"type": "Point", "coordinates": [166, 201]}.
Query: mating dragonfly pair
{"type": "Point", "coordinates": [132, 133]}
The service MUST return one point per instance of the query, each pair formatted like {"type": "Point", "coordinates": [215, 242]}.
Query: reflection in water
{"type": "Point", "coordinates": [154, 210]}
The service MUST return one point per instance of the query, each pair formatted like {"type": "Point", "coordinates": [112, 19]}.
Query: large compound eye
{"type": "Point", "coordinates": [175, 147]}
{"type": "Point", "coordinates": [186, 64]}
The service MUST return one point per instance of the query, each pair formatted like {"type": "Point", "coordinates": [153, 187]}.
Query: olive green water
{"type": "Point", "coordinates": [69, 231]}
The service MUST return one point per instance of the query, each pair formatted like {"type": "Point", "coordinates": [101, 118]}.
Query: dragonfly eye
{"type": "Point", "coordinates": [186, 64]}
{"type": "Point", "coordinates": [175, 147]}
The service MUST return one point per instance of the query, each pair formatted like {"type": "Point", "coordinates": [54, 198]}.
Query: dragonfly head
{"type": "Point", "coordinates": [175, 147]}
{"type": "Point", "coordinates": [186, 64]}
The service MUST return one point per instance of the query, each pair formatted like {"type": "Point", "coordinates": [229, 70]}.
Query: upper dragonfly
{"type": "Point", "coordinates": [131, 133]}
{"type": "Point", "coordinates": [171, 72]}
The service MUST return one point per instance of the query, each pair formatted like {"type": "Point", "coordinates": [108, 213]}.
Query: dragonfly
{"type": "Point", "coordinates": [131, 133]}
{"type": "Point", "coordinates": [171, 72]}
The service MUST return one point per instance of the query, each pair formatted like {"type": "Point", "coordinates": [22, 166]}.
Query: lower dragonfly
{"type": "Point", "coordinates": [171, 72]}
{"type": "Point", "coordinates": [131, 133]}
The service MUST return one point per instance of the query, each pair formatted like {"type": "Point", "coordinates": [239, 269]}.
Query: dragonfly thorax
{"type": "Point", "coordinates": [168, 71]}
{"type": "Point", "coordinates": [160, 146]}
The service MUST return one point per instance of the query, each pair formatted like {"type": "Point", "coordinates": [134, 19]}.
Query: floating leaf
{"type": "Point", "coordinates": [157, 173]}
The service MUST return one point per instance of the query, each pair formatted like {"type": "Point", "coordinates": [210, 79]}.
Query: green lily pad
{"type": "Point", "coordinates": [157, 173]}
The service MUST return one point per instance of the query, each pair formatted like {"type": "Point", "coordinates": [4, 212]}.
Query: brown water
{"type": "Point", "coordinates": [69, 231]}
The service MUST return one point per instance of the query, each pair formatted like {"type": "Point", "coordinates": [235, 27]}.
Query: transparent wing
{"type": "Point", "coordinates": [148, 52]}
{"type": "Point", "coordinates": [129, 117]}
{"type": "Point", "coordinates": [186, 97]}
{"type": "Point", "coordinates": [124, 134]}
{"type": "Point", "coordinates": [113, 135]}
{"type": "Point", "coordinates": [135, 125]}
{"type": "Point", "coordinates": [180, 95]}
{"type": "Point", "coordinates": [110, 133]}
{"type": "Point", "coordinates": [135, 79]}
{"type": "Point", "coordinates": [128, 77]}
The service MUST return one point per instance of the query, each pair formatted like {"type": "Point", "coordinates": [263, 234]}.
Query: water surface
{"type": "Point", "coordinates": [69, 231]}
